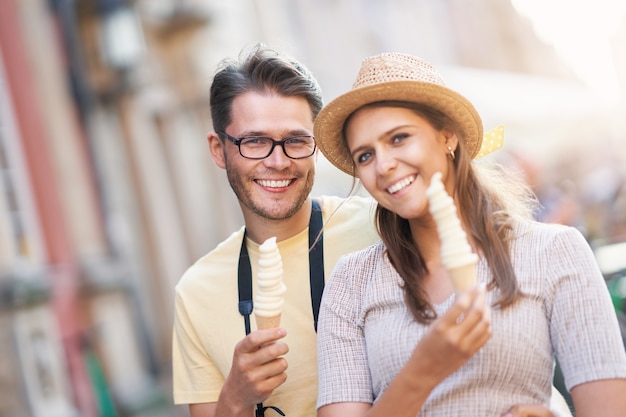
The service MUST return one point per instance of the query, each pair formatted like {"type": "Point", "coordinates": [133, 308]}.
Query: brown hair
{"type": "Point", "coordinates": [489, 199]}
{"type": "Point", "coordinates": [261, 69]}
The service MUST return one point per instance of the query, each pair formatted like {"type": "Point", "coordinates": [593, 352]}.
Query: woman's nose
{"type": "Point", "coordinates": [386, 162]}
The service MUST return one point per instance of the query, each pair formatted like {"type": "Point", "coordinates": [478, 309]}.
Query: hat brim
{"type": "Point", "coordinates": [328, 129]}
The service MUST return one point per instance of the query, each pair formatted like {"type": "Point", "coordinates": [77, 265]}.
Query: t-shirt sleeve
{"type": "Point", "coordinates": [195, 377]}
{"type": "Point", "coordinates": [583, 324]}
{"type": "Point", "coordinates": [342, 357]}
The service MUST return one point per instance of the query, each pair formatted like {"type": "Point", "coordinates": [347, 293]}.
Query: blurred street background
{"type": "Point", "coordinates": [108, 192]}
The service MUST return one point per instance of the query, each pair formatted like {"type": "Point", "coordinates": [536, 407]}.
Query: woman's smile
{"type": "Point", "coordinates": [400, 185]}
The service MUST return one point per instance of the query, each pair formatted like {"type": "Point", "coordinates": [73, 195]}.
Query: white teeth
{"type": "Point", "coordinates": [273, 184]}
{"type": "Point", "coordinates": [400, 185]}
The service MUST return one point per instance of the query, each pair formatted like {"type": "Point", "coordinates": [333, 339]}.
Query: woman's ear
{"type": "Point", "coordinates": [450, 139]}
{"type": "Point", "coordinates": [216, 146]}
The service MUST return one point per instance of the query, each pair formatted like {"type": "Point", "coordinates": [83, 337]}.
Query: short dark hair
{"type": "Point", "coordinates": [262, 69]}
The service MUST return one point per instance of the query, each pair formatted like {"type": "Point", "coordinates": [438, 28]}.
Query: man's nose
{"type": "Point", "coordinates": [277, 159]}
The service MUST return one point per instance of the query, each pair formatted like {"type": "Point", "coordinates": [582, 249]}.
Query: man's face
{"type": "Point", "coordinates": [276, 187]}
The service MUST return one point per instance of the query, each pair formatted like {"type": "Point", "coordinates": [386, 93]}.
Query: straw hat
{"type": "Point", "coordinates": [397, 77]}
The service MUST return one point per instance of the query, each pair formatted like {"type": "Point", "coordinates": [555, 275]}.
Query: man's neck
{"type": "Point", "coordinates": [259, 229]}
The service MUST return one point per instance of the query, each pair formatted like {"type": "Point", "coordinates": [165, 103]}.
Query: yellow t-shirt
{"type": "Point", "coordinates": [208, 325]}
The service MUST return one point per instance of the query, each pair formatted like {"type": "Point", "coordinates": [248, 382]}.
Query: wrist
{"type": "Point", "coordinates": [231, 407]}
{"type": "Point", "coordinates": [421, 374]}
{"type": "Point", "coordinates": [419, 382]}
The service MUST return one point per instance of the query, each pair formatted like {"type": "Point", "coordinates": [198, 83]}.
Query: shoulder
{"type": "Point", "coordinates": [332, 202]}
{"type": "Point", "coordinates": [340, 205]}
{"type": "Point", "coordinates": [355, 271]}
{"type": "Point", "coordinates": [362, 262]}
{"type": "Point", "coordinates": [226, 250]}
{"type": "Point", "coordinates": [348, 212]}
{"type": "Point", "coordinates": [374, 251]}
{"type": "Point", "coordinates": [222, 258]}
{"type": "Point", "coordinates": [552, 251]}
{"type": "Point", "coordinates": [546, 236]}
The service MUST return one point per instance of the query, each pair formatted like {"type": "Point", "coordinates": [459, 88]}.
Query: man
{"type": "Point", "coordinates": [263, 110]}
{"type": "Point", "coordinates": [272, 96]}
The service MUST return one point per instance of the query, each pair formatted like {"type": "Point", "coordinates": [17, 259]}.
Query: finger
{"type": "Point", "coordinates": [255, 361]}
{"type": "Point", "coordinates": [270, 352]}
{"type": "Point", "coordinates": [275, 367]}
{"type": "Point", "coordinates": [476, 312]}
{"type": "Point", "coordinates": [475, 326]}
{"type": "Point", "coordinates": [478, 336]}
{"type": "Point", "coordinates": [527, 410]}
{"type": "Point", "coordinates": [270, 369]}
{"type": "Point", "coordinates": [256, 339]}
{"type": "Point", "coordinates": [268, 377]}
{"type": "Point", "coordinates": [462, 303]}
{"type": "Point", "coordinates": [266, 386]}
{"type": "Point", "coordinates": [261, 382]}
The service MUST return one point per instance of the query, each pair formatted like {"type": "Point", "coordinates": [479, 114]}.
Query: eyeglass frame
{"type": "Point", "coordinates": [237, 141]}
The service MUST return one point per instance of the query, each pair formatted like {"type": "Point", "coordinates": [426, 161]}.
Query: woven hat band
{"type": "Point", "coordinates": [388, 67]}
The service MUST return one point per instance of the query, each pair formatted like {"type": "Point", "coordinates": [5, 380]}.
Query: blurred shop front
{"type": "Point", "coordinates": [84, 311]}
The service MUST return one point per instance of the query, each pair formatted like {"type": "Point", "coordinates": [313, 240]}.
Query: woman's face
{"type": "Point", "coordinates": [396, 152]}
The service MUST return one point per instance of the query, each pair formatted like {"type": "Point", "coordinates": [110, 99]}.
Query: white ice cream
{"type": "Point", "coordinates": [455, 249]}
{"type": "Point", "coordinates": [269, 300]}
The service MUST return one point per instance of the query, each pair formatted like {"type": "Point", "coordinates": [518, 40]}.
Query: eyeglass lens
{"type": "Point", "coordinates": [261, 147]}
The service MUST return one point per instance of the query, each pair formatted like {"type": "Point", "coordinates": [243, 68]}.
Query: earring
{"type": "Point", "coordinates": [451, 153]}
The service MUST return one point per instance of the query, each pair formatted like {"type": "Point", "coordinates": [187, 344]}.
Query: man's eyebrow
{"type": "Point", "coordinates": [251, 133]}
{"type": "Point", "coordinates": [285, 133]}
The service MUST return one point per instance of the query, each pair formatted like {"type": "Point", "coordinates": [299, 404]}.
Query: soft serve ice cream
{"type": "Point", "coordinates": [269, 298]}
{"type": "Point", "coordinates": [456, 253]}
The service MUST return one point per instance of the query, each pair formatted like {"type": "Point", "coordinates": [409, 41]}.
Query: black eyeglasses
{"type": "Point", "coordinates": [260, 147]}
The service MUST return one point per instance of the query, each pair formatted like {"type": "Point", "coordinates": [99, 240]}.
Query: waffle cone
{"type": "Point", "coordinates": [463, 276]}
{"type": "Point", "coordinates": [267, 322]}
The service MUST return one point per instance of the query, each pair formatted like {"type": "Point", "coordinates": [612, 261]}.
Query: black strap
{"type": "Point", "coordinates": [245, 284]}
{"type": "Point", "coordinates": [260, 410]}
{"type": "Point", "coordinates": [316, 279]}
{"type": "Point", "coordinates": [316, 260]}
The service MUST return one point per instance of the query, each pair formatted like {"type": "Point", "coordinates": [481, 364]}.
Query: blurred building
{"type": "Point", "coordinates": [108, 192]}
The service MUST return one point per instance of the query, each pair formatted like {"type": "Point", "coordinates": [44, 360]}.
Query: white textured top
{"type": "Point", "coordinates": [366, 333]}
{"type": "Point", "coordinates": [455, 249]}
{"type": "Point", "coordinates": [269, 299]}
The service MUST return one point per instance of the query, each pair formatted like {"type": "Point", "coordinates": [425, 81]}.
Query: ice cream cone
{"type": "Point", "coordinates": [267, 322]}
{"type": "Point", "coordinates": [463, 276]}
{"type": "Point", "coordinates": [269, 297]}
{"type": "Point", "coordinates": [456, 253]}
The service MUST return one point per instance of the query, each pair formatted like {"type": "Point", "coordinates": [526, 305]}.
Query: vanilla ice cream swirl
{"type": "Point", "coordinates": [269, 299]}
{"type": "Point", "coordinates": [455, 249]}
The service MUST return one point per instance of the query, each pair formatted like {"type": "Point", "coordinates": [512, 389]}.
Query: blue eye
{"type": "Point", "coordinates": [399, 137]}
{"type": "Point", "coordinates": [363, 158]}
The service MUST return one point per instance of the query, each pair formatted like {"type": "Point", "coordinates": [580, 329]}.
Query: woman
{"type": "Point", "coordinates": [387, 305]}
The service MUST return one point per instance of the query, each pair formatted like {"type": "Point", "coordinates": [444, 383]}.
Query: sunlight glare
{"type": "Point", "coordinates": [581, 32]}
